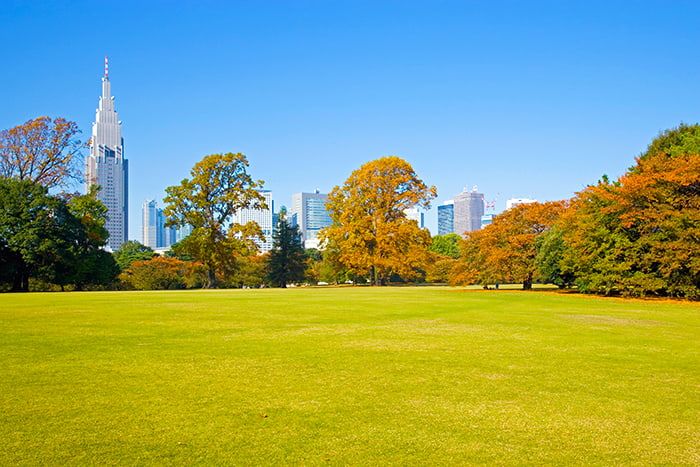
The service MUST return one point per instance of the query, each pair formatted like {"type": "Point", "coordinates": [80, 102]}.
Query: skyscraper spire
{"type": "Point", "coordinates": [107, 166]}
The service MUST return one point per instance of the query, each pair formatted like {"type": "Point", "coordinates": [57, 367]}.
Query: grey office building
{"type": "Point", "coordinates": [468, 209]}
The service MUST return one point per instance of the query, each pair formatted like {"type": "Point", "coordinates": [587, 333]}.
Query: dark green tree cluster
{"type": "Point", "coordinates": [52, 239]}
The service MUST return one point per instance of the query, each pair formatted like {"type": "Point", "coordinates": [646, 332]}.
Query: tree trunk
{"type": "Point", "coordinates": [527, 284]}
{"type": "Point", "coordinates": [211, 277]}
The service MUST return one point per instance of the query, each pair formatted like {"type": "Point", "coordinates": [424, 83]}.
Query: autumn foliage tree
{"type": "Point", "coordinates": [219, 186]}
{"type": "Point", "coordinates": [161, 273]}
{"type": "Point", "coordinates": [640, 235]}
{"type": "Point", "coordinates": [506, 250]}
{"type": "Point", "coordinates": [370, 229]}
{"type": "Point", "coordinates": [43, 151]}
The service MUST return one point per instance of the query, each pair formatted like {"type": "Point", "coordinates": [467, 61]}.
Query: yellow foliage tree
{"type": "Point", "coordinates": [370, 229]}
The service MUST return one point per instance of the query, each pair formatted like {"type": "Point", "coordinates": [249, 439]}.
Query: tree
{"type": "Point", "coordinates": [43, 151]}
{"type": "Point", "coordinates": [287, 261]}
{"type": "Point", "coordinates": [369, 227]}
{"type": "Point", "coordinates": [219, 187]}
{"type": "Point", "coordinates": [446, 245]}
{"type": "Point", "coordinates": [37, 232]}
{"type": "Point", "coordinates": [161, 273]}
{"type": "Point", "coordinates": [505, 250]}
{"type": "Point", "coordinates": [89, 264]}
{"type": "Point", "coordinates": [550, 248]}
{"type": "Point", "coordinates": [440, 269]}
{"type": "Point", "coordinates": [251, 271]}
{"type": "Point", "coordinates": [130, 252]}
{"type": "Point", "coordinates": [640, 234]}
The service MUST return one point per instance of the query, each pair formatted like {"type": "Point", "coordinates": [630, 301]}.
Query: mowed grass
{"type": "Point", "coordinates": [347, 376]}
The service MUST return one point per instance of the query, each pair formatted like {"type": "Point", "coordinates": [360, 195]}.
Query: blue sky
{"type": "Point", "coordinates": [523, 99]}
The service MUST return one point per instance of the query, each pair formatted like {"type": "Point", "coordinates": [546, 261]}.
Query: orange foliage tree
{"type": "Point", "coordinates": [505, 250]}
{"type": "Point", "coordinates": [370, 229]}
{"type": "Point", "coordinates": [43, 151]}
{"type": "Point", "coordinates": [162, 273]}
{"type": "Point", "coordinates": [640, 235]}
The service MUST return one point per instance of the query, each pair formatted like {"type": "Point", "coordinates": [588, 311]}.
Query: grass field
{"type": "Point", "coordinates": [349, 375]}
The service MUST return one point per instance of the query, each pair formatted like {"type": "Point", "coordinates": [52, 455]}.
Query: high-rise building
{"type": "Point", "coordinates": [468, 209]}
{"type": "Point", "coordinates": [416, 214]}
{"type": "Point", "coordinates": [154, 232]}
{"type": "Point", "coordinates": [107, 167]}
{"type": "Point", "coordinates": [263, 217]}
{"type": "Point", "coordinates": [150, 223]}
{"type": "Point", "coordinates": [182, 232]}
{"type": "Point", "coordinates": [515, 201]}
{"type": "Point", "coordinates": [309, 213]}
{"type": "Point", "coordinates": [486, 219]}
{"type": "Point", "coordinates": [446, 217]}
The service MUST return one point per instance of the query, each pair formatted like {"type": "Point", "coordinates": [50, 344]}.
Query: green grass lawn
{"type": "Point", "coordinates": [347, 375]}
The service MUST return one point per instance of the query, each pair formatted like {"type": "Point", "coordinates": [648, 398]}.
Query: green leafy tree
{"type": "Point", "coordinates": [550, 248]}
{"type": "Point", "coordinates": [446, 245]}
{"type": "Point", "coordinates": [219, 186]}
{"type": "Point", "coordinates": [90, 265]}
{"type": "Point", "coordinates": [287, 262]}
{"type": "Point", "coordinates": [37, 233]}
{"type": "Point", "coordinates": [130, 252]}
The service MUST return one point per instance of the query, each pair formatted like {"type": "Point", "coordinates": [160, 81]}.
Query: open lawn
{"type": "Point", "coordinates": [347, 375]}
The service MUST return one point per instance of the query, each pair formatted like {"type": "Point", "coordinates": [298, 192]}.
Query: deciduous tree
{"type": "Point", "coordinates": [505, 250]}
{"type": "Point", "coordinates": [370, 229]}
{"type": "Point", "coordinates": [130, 252]}
{"type": "Point", "coordinates": [218, 187]}
{"type": "Point", "coordinates": [640, 235]}
{"type": "Point", "coordinates": [43, 151]}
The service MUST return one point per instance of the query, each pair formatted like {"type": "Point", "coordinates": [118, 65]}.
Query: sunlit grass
{"type": "Point", "coordinates": [347, 375]}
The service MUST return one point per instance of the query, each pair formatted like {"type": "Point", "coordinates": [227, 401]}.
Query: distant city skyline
{"type": "Point", "coordinates": [534, 99]}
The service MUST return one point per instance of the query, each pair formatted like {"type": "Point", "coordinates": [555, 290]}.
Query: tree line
{"type": "Point", "coordinates": [634, 236]}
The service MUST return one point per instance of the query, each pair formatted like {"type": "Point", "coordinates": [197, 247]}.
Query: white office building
{"type": "Point", "coordinates": [107, 167]}
{"type": "Point", "coordinates": [416, 214]}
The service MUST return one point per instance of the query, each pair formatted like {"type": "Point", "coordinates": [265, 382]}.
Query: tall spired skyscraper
{"type": "Point", "coordinates": [107, 167]}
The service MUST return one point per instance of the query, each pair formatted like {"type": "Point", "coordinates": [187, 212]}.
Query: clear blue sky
{"type": "Point", "coordinates": [531, 99]}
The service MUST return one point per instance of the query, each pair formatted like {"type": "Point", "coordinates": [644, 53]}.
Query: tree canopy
{"type": "Point", "coordinates": [219, 186]}
{"type": "Point", "coordinates": [43, 151]}
{"type": "Point", "coordinates": [48, 238]}
{"type": "Point", "coordinates": [370, 229]}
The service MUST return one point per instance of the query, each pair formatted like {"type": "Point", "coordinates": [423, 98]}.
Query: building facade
{"type": "Point", "coordinates": [107, 166]}
{"type": "Point", "coordinates": [468, 209]}
{"type": "Point", "coordinates": [416, 214]}
{"type": "Point", "coordinates": [154, 232]}
{"type": "Point", "coordinates": [309, 213]}
{"type": "Point", "coordinates": [263, 217]}
{"type": "Point", "coordinates": [446, 217]}
{"type": "Point", "coordinates": [150, 223]}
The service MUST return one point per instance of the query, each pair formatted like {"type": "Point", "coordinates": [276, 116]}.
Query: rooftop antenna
{"type": "Point", "coordinates": [106, 67]}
